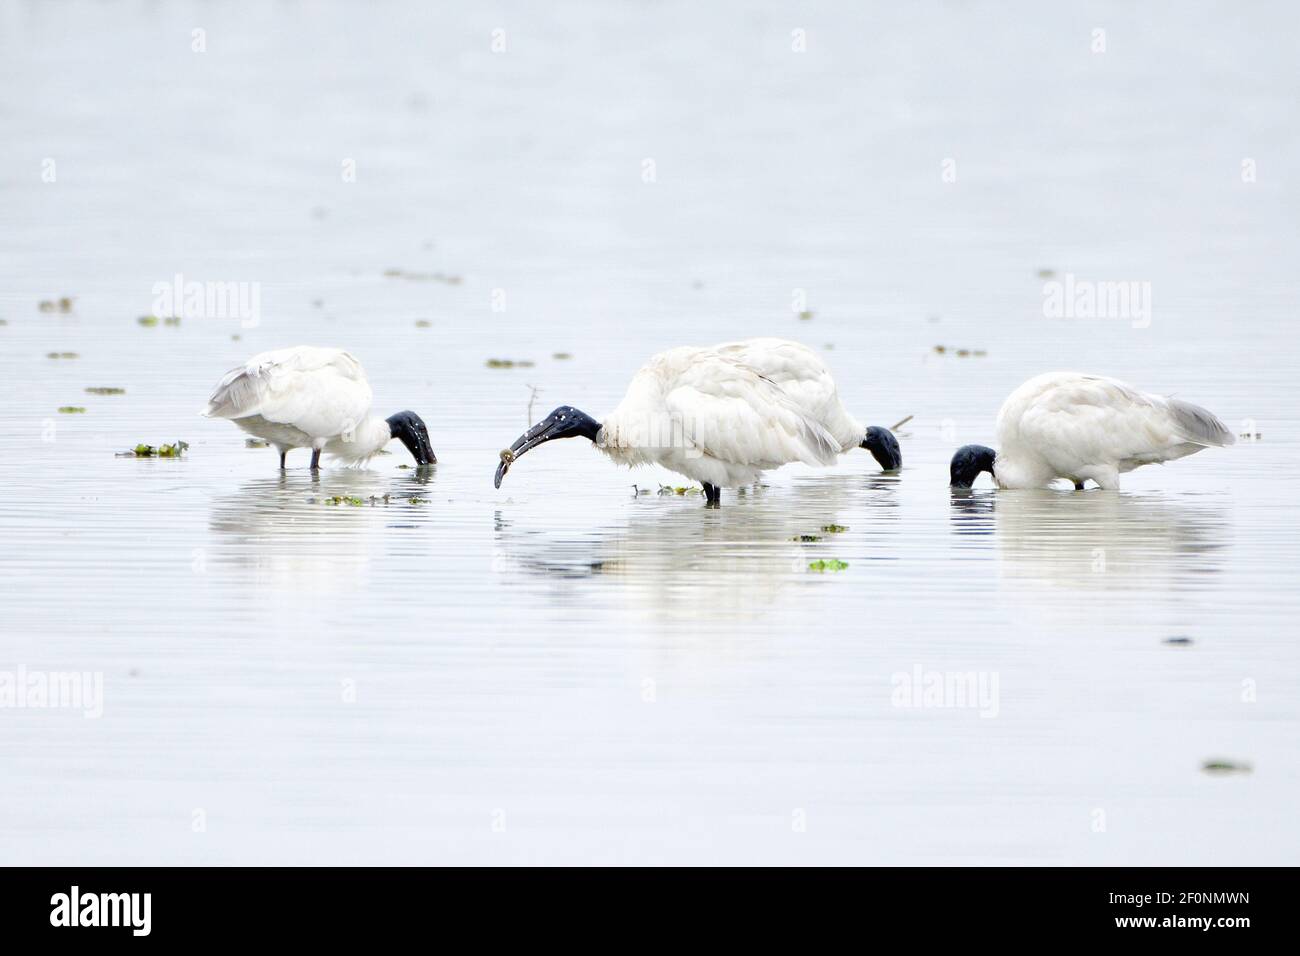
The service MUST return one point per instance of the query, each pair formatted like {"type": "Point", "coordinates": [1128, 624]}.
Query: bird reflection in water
{"type": "Point", "coordinates": [312, 531]}
{"type": "Point", "coordinates": [1098, 540]}
{"type": "Point", "coordinates": [731, 563]}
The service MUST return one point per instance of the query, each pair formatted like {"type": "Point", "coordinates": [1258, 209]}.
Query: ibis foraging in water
{"type": "Point", "coordinates": [317, 398]}
{"type": "Point", "coordinates": [721, 416]}
{"type": "Point", "coordinates": [1080, 427]}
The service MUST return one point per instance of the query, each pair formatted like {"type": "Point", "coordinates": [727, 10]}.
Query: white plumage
{"type": "Point", "coordinates": [310, 397]}
{"type": "Point", "coordinates": [1081, 427]}
{"type": "Point", "coordinates": [712, 416]}
{"type": "Point", "coordinates": [720, 415]}
{"type": "Point", "coordinates": [804, 377]}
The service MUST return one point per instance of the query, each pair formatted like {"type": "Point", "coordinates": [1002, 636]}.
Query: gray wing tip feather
{"type": "Point", "coordinates": [1200, 425]}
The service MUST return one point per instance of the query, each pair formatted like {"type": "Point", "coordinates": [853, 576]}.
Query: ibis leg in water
{"type": "Point", "coordinates": [315, 459]}
{"type": "Point", "coordinates": [282, 454]}
{"type": "Point", "coordinates": [712, 496]}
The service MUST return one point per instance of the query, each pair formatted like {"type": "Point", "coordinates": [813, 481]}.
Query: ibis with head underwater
{"type": "Point", "coordinates": [1085, 427]}
{"type": "Point", "coordinates": [721, 415]}
{"type": "Point", "coordinates": [317, 398]}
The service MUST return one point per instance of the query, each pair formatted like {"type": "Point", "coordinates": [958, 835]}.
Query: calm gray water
{"type": "Point", "coordinates": [563, 671]}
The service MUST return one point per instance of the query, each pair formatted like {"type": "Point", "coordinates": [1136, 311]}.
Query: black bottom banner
{"type": "Point", "coordinates": [632, 907]}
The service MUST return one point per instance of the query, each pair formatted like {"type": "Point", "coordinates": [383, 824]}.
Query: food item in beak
{"type": "Point", "coordinates": [507, 456]}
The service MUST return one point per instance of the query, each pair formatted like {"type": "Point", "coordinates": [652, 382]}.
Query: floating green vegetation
{"type": "Point", "coordinates": [561, 356]}
{"type": "Point", "coordinates": [831, 564]}
{"type": "Point", "coordinates": [1046, 273]}
{"type": "Point", "coordinates": [678, 490]}
{"type": "Point", "coordinates": [961, 353]}
{"type": "Point", "coordinates": [256, 443]}
{"type": "Point", "coordinates": [805, 315]}
{"type": "Point", "coordinates": [172, 320]}
{"type": "Point", "coordinates": [105, 390]}
{"type": "Point", "coordinates": [174, 450]}
{"type": "Point", "coordinates": [1225, 767]}
{"type": "Point", "coordinates": [422, 323]}
{"type": "Point", "coordinates": [807, 538]}
{"type": "Point", "coordinates": [834, 528]}
{"type": "Point", "coordinates": [1251, 436]}
{"type": "Point", "coordinates": [509, 363]}
{"type": "Point", "coordinates": [148, 321]}
{"type": "Point", "coordinates": [422, 276]}
{"type": "Point", "coordinates": [352, 501]}
{"type": "Point", "coordinates": [4, 321]}
{"type": "Point", "coordinates": [71, 410]}
{"type": "Point", "coordinates": [403, 466]}
{"type": "Point", "coordinates": [416, 500]}
{"type": "Point", "coordinates": [62, 355]}
{"type": "Point", "coordinates": [63, 304]}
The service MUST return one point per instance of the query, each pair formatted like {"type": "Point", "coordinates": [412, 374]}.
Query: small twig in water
{"type": "Point", "coordinates": [898, 425]}
{"type": "Point", "coordinates": [533, 391]}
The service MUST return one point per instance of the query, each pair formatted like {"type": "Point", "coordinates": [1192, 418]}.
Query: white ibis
{"type": "Point", "coordinates": [1080, 427]}
{"type": "Point", "coordinates": [317, 398]}
{"type": "Point", "coordinates": [721, 416]}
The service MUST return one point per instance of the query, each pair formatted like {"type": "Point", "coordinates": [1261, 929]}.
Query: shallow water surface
{"type": "Point", "coordinates": [570, 669]}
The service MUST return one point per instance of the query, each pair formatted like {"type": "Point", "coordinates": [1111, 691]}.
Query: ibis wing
{"type": "Point", "coordinates": [802, 375]}
{"type": "Point", "coordinates": [1101, 420]}
{"type": "Point", "coordinates": [794, 367]}
{"type": "Point", "coordinates": [321, 391]}
{"type": "Point", "coordinates": [733, 413]}
{"type": "Point", "coordinates": [1198, 425]}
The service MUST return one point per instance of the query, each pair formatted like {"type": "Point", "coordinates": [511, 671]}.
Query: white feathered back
{"type": "Point", "coordinates": [1070, 420]}
{"type": "Point", "coordinates": [801, 374]}
{"type": "Point", "coordinates": [716, 406]}
{"type": "Point", "coordinates": [322, 391]}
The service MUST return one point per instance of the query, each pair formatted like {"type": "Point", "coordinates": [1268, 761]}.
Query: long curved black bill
{"type": "Point", "coordinates": [539, 433]}
{"type": "Point", "coordinates": [409, 428]}
{"type": "Point", "coordinates": [422, 452]}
